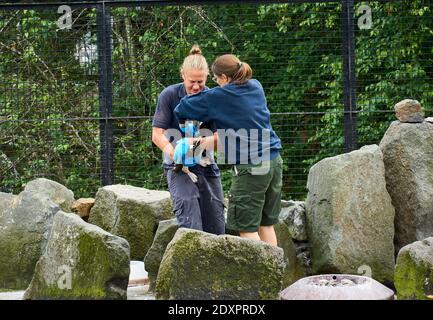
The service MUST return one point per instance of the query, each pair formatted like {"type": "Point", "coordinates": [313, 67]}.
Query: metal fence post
{"type": "Point", "coordinates": [105, 94]}
{"type": "Point", "coordinates": [349, 77]}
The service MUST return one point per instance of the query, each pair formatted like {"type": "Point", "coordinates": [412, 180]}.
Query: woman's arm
{"type": "Point", "coordinates": [195, 107]}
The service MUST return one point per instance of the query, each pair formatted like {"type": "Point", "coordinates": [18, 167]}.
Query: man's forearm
{"type": "Point", "coordinates": [161, 141]}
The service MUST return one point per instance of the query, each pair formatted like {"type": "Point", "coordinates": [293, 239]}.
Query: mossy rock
{"type": "Point", "coordinates": [25, 226]}
{"type": "Point", "coordinates": [199, 265]}
{"type": "Point", "coordinates": [293, 215]}
{"type": "Point", "coordinates": [131, 213]}
{"type": "Point", "coordinates": [25, 222]}
{"type": "Point", "coordinates": [54, 191]}
{"type": "Point", "coordinates": [413, 277]}
{"type": "Point", "coordinates": [350, 216]}
{"type": "Point", "coordinates": [408, 157]}
{"type": "Point", "coordinates": [82, 261]}
{"type": "Point", "coordinates": [294, 269]}
{"type": "Point", "coordinates": [164, 234]}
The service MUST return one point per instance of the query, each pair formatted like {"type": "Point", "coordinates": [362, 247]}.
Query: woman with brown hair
{"type": "Point", "coordinates": [239, 110]}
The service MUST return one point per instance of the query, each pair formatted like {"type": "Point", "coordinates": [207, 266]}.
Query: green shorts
{"type": "Point", "coordinates": [255, 196]}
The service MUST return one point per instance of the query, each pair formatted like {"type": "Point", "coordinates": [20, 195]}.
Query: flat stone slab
{"type": "Point", "coordinates": [140, 293]}
{"type": "Point", "coordinates": [12, 295]}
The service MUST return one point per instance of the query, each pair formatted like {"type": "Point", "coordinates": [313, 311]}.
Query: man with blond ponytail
{"type": "Point", "coordinates": [238, 108]}
{"type": "Point", "coordinates": [196, 205]}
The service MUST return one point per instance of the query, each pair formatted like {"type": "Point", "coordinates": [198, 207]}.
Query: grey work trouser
{"type": "Point", "coordinates": [200, 205]}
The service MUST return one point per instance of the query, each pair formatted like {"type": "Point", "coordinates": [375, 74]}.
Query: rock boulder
{"type": "Point", "coordinates": [199, 265]}
{"type": "Point", "coordinates": [131, 213]}
{"type": "Point", "coordinates": [350, 218]}
{"type": "Point", "coordinates": [25, 223]}
{"type": "Point", "coordinates": [408, 156]}
{"type": "Point", "coordinates": [414, 271]}
{"type": "Point", "coordinates": [81, 261]}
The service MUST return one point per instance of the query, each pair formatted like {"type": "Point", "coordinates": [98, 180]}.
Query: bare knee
{"type": "Point", "coordinates": [267, 234]}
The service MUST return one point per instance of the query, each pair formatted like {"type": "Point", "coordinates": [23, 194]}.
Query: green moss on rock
{"type": "Point", "coordinates": [197, 265]}
{"type": "Point", "coordinates": [131, 213]}
{"type": "Point", "coordinates": [413, 278]}
{"type": "Point", "coordinates": [164, 234]}
{"type": "Point", "coordinates": [81, 262]}
{"type": "Point", "coordinates": [294, 270]}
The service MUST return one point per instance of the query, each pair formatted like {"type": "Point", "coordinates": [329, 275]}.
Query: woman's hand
{"type": "Point", "coordinates": [184, 153]}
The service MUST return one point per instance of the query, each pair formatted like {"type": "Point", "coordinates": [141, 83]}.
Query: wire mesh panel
{"type": "Point", "coordinates": [48, 100]}
{"type": "Point", "coordinates": [291, 48]}
{"type": "Point", "coordinates": [394, 61]}
{"type": "Point", "coordinates": [76, 103]}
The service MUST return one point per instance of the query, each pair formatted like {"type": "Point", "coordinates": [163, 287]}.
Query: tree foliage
{"type": "Point", "coordinates": [49, 98]}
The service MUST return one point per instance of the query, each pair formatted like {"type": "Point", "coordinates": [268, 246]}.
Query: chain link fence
{"type": "Point", "coordinates": [79, 82]}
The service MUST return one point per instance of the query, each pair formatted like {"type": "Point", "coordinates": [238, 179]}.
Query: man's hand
{"type": "Point", "coordinates": [169, 150]}
{"type": "Point", "coordinates": [183, 153]}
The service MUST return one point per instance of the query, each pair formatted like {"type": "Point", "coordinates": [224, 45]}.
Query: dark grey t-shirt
{"type": "Point", "coordinates": [164, 118]}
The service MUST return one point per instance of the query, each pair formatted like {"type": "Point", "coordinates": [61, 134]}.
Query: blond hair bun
{"type": "Point", "coordinates": [195, 50]}
{"type": "Point", "coordinates": [195, 61]}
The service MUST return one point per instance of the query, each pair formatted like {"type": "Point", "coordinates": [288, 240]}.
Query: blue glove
{"type": "Point", "coordinates": [181, 153]}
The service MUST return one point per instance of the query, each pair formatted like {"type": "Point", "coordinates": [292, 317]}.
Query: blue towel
{"type": "Point", "coordinates": [181, 153]}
